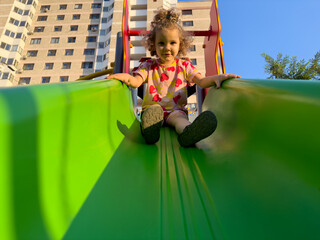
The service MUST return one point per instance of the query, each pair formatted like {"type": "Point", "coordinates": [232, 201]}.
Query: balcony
{"type": "Point", "coordinates": [138, 2]}
{"type": "Point", "coordinates": [138, 15]}
{"type": "Point", "coordinates": [138, 50]}
{"type": "Point", "coordinates": [138, 25]}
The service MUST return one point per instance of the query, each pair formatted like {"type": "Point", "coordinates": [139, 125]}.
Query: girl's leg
{"type": "Point", "coordinates": [178, 120]}
{"type": "Point", "coordinates": [190, 133]}
{"type": "Point", "coordinates": [151, 122]}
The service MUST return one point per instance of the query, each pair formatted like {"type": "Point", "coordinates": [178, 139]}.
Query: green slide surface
{"type": "Point", "coordinates": [73, 165]}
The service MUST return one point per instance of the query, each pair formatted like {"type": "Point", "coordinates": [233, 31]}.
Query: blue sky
{"type": "Point", "coordinates": [251, 27]}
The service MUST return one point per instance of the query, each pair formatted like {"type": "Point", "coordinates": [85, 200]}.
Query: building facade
{"type": "Point", "coordinates": [48, 41]}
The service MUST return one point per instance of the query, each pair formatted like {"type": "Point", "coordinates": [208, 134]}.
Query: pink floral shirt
{"type": "Point", "coordinates": [166, 85]}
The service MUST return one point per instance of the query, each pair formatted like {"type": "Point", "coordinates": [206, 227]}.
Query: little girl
{"type": "Point", "coordinates": [167, 78]}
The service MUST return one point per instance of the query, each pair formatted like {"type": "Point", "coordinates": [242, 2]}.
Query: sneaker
{"type": "Point", "coordinates": [203, 126]}
{"type": "Point", "coordinates": [151, 123]}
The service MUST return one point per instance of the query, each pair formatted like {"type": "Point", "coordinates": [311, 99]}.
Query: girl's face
{"type": "Point", "coordinates": [167, 45]}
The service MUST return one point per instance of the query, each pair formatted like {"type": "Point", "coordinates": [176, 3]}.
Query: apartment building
{"type": "Point", "coordinates": [15, 22]}
{"type": "Point", "coordinates": [195, 16]}
{"type": "Point", "coordinates": [61, 40]}
{"type": "Point", "coordinates": [48, 41]}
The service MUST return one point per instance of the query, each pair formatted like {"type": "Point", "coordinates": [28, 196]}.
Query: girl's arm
{"type": "Point", "coordinates": [129, 80]}
{"type": "Point", "coordinates": [205, 82]}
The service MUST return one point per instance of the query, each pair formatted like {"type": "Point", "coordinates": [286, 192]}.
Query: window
{"type": "Point", "coordinates": [52, 52]}
{"type": "Point", "coordinates": [44, 8]}
{"type": "Point", "coordinates": [105, 9]}
{"type": "Point", "coordinates": [14, 21]}
{"type": "Point", "coordinates": [48, 66]}
{"type": "Point", "coordinates": [95, 16]}
{"type": "Point", "coordinates": [88, 51]}
{"type": "Point", "coordinates": [32, 53]}
{"type": "Point", "coordinates": [75, 16]}
{"type": "Point", "coordinates": [78, 6]}
{"type": "Point", "coordinates": [187, 23]}
{"type": "Point", "coordinates": [14, 48]}
{"type": "Point", "coordinates": [22, 23]}
{"type": "Point", "coordinates": [60, 17]}
{"type": "Point", "coordinates": [74, 28]}
{"type": "Point", "coordinates": [17, 10]}
{"type": "Point", "coordinates": [12, 34]}
{"type": "Point", "coordinates": [69, 52]}
{"type": "Point", "coordinates": [64, 78]}
{"type": "Point", "coordinates": [45, 79]}
{"type": "Point", "coordinates": [91, 39]}
{"type": "Point", "coordinates": [5, 75]}
{"type": "Point", "coordinates": [103, 32]}
{"type": "Point", "coordinates": [193, 48]}
{"type": "Point", "coordinates": [63, 7]}
{"type": "Point", "coordinates": [38, 29]}
{"type": "Point", "coordinates": [96, 5]}
{"type": "Point", "coordinates": [101, 45]}
{"type": "Point", "coordinates": [87, 65]}
{"type": "Point", "coordinates": [99, 58]}
{"type": "Point", "coordinates": [10, 61]}
{"type": "Point", "coordinates": [57, 28]}
{"type": "Point", "coordinates": [193, 61]}
{"type": "Point", "coordinates": [104, 20]}
{"type": "Point", "coordinates": [55, 40]}
{"type": "Point", "coordinates": [187, 12]}
{"type": "Point", "coordinates": [42, 18]}
{"type": "Point", "coordinates": [35, 41]}
{"type": "Point", "coordinates": [18, 35]}
{"type": "Point", "coordinates": [93, 27]}
{"type": "Point", "coordinates": [28, 66]}
{"type": "Point", "coordinates": [7, 33]}
{"type": "Point", "coordinates": [7, 47]}
{"type": "Point", "coordinates": [26, 12]}
{"type": "Point", "coordinates": [24, 80]}
{"type": "Point", "coordinates": [71, 39]}
{"type": "Point", "coordinates": [66, 65]}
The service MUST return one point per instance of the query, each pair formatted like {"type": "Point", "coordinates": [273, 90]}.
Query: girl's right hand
{"type": "Point", "coordinates": [123, 77]}
{"type": "Point", "coordinates": [129, 80]}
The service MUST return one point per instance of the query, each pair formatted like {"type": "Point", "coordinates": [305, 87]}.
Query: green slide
{"type": "Point", "coordinates": [73, 165]}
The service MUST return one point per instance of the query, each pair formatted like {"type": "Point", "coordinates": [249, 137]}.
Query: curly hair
{"type": "Point", "coordinates": [167, 19]}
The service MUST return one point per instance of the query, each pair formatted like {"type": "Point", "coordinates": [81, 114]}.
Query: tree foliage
{"type": "Point", "coordinates": [285, 67]}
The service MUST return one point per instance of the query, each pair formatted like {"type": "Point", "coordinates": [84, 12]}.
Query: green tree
{"type": "Point", "coordinates": [285, 67]}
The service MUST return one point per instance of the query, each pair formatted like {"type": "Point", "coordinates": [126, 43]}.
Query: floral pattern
{"type": "Point", "coordinates": [166, 85]}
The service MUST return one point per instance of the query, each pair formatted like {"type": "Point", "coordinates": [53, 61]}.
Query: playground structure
{"type": "Point", "coordinates": [73, 164]}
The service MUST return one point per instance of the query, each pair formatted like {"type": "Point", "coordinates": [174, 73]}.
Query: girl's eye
{"type": "Point", "coordinates": [160, 43]}
{"type": "Point", "coordinates": [173, 43]}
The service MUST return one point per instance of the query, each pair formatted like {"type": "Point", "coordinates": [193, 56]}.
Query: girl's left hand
{"type": "Point", "coordinates": [218, 79]}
